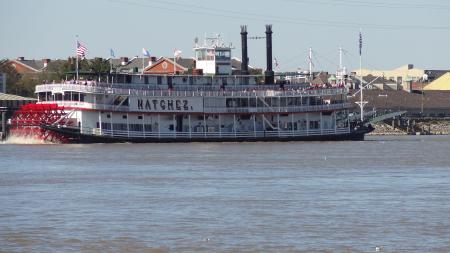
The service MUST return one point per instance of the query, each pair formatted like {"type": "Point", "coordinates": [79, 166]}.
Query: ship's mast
{"type": "Point", "coordinates": [361, 103]}
{"type": "Point", "coordinates": [76, 64]}
{"type": "Point", "coordinates": [361, 88]}
{"type": "Point", "coordinates": [341, 67]}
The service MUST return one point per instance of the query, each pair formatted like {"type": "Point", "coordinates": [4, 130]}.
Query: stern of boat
{"type": "Point", "coordinates": [29, 120]}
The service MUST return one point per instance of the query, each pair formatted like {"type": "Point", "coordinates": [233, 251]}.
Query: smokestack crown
{"type": "Point", "coordinates": [244, 63]}
{"type": "Point", "coordinates": [269, 74]}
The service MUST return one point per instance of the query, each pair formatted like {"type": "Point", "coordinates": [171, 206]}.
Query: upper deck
{"type": "Point", "coordinates": [190, 91]}
{"type": "Point", "coordinates": [200, 94]}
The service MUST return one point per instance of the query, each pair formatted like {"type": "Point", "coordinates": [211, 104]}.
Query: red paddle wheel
{"type": "Point", "coordinates": [27, 122]}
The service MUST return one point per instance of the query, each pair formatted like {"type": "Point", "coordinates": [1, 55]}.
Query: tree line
{"type": "Point", "coordinates": [24, 84]}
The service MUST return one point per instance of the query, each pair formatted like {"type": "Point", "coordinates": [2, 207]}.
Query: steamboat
{"type": "Point", "coordinates": [211, 105]}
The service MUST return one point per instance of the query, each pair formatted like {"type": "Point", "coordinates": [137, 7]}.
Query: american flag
{"type": "Point", "coordinates": [81, 49]}
{"type": "Point", "coordinates": [360, 43]}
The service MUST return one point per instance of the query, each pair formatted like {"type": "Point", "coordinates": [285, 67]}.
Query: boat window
{"type": "Point", "coordinates": [283, 101]}
{"type": "Point", "coordinates": [243, 102]}
{"type": "Point", "coordinates": [314, 124]}
{"type": "Point", "coordinates": [231, 102]}
{"type": "Point", "coordinates": [75, 96]}
{"type": "Point", "coordinates": [42, 96]}
{"type": "Point", "coordinates": [275, 102]}
{"type": "Point", "coordinates": [120, 127]}
{"type": "Point", "coordinates": [223, 55]}
{"type": "Point", "coordinates": [148, 128]}
{"type": "Point", "coordinates": [290, 101]}
{"type": "Point", "coordinates": [205, 54]}
{"type": "Point", "coordinates": [106, 126]}
{"type": "Point", "coordinates": [58, 97]}
{"type": "Point", "coordinates": [199, 54]}
{"type": "Point", "coordinates": [121, 100]}
{"type": "Point", "coordinates": [136, 127]}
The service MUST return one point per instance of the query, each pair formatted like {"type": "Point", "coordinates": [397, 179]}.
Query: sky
{"type": "Point", "coordinates": [394, 33]}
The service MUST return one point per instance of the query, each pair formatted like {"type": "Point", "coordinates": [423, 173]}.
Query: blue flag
{"type": "Point", "coordinates": [145, 52]}
{"type": "Point", "coordinates": [111, 52]}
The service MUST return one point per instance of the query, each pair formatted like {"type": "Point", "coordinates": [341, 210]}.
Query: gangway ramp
{"type": "Point", "coordinates": [383, 117]}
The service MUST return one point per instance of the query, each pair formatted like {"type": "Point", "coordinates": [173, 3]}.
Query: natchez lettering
{"type": "Point", "coordinates": [164, 105]}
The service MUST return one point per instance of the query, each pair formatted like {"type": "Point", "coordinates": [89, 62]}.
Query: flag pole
{"type": "Point", "coordinates": [110, 60]}
{"type": "Point", "coordinates": [76, 55]}
{"type": "Point", "coordinates": [360, 75]}
{"type": "Point", "coordinates": [111, 53]}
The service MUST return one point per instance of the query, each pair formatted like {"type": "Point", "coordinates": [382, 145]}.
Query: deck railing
{"type": "Point", "coordinates": [213, 135]}
{"type": "Point", "coordinates": [257, 91]}
{"type": "Point", "coordinates": [273, 109]}
{"type": "Point", "coordinates": [213, 110]}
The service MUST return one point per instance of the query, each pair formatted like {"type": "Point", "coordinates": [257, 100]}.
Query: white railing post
{"type": "Point", "coordinates": [234, 125]}
{"type": "Point", "coordinates": [292, 124]}
{"type": "Point", "coordinates": [143, 124]}
{"type": "Point", "coordinates": [254, 125]}
{"type": "Point", "coordinates": [100, 122]}
{"type": "Point", "coordinates": [220, 127]}
{"type": "Point", "coordinates": [335, 122]}
{"type": "Point", "coordinates": [278, 124]}
{"type": "Point", "coordinates": [174, 122]}
{"type": "Point", "coordinates": [264, 124]}
{"type": "Point", "coordinates": [128, 127]}
{"type": "Point", "coordinates": [321, 123]}
{"type": "Point", "coordinates": [159, 126]}
{"type": "Point", "coordinates": [204, 124]}
{"type": "Point", "coordinates": [307, 124]}
{"type": "Point", "coordinates": [190, 130]}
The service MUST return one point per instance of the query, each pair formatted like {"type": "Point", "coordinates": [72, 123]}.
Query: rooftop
{"type": "Point", "coordinates": [11, 97]}
{"type": "Point", "coordinates": [402, 100]}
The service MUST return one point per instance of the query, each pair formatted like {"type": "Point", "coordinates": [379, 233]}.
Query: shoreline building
{"type": "Point", "coordinates": [442, 83]}
{"type": "Point", "coordinates": [403, 75]}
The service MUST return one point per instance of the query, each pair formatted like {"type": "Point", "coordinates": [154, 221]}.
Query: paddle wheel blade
{"type": "Point", "coordinates": [28, 121]}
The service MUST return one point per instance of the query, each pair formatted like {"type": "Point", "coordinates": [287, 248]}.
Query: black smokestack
{"type": "Point", "coordinates": [269, 75]}
{"type": "Point", "coordinates": [244, 63]}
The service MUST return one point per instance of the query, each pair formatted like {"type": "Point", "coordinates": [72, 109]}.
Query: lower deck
{"type": "Point", "coordinates": [210, 126]}
{"type": "Point", "coordinates": [74, 136]}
